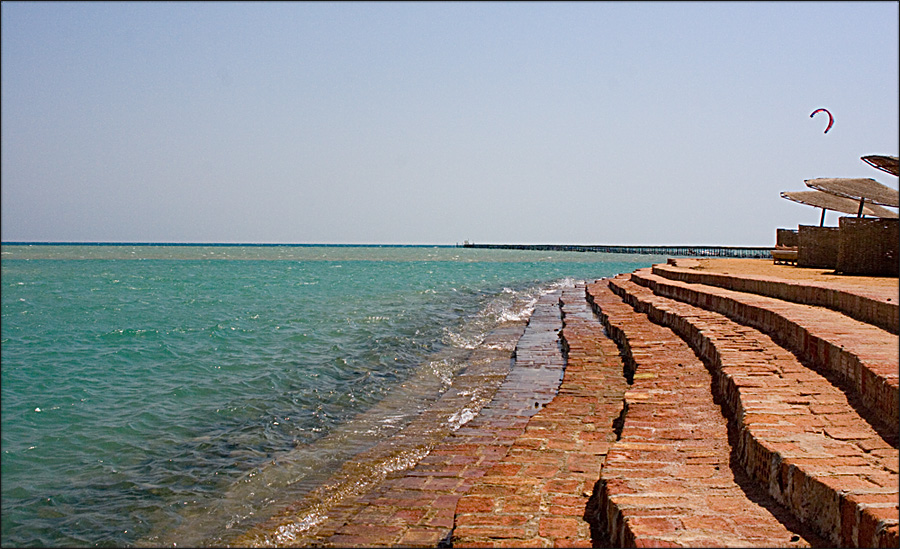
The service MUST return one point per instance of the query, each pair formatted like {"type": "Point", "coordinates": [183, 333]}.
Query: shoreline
{"type": "Point", "coordinates": [283, 331]}
{"type": "Point", "coordinates": [383, 457]}
{"type": "Point", "coordinates": [562, 476]}
{"type": "Point", "coordinates": [549, 479]}
{"type": "Point", "coordinates": [495, 391]}
{"type": "Point", "coordinates": [378, 469]}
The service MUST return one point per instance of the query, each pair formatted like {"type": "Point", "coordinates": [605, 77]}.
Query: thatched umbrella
{"type": "Point", "coordinates": [861, 190]}
{"type": "Point", "coordinates": [835, 203]}
{"type": "Point", "coordinates": [889, 164]}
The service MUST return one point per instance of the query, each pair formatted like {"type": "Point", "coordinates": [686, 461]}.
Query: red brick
{"type": "Point", "coordinates": [520, 542]}
{"type": "Point", "coordinates": [890, 537]}
{"type": "Point", "coordinates": [422, 537]}
{"type": "Point", "coordinates": [475, 504]}
{"type": "Point", "coordinates": [491, 520]}
{"type": "Point", "coordinates": [374, 530]}
{"type": "Point", "coordinates": [445, 502]}
{"type": "Point", "coordinates": [529, 443]}
{"type": "Point", "coordinates": [726, 504]}
{"type": "Point", "coordinates": [541, 471]}
{"type": "Point", "coordinates": [578, 462]}
{"type": "Point", "coordinates": [464, 532]}
{"type": "Point", "coordinates": [569, 542]}
{"type": "Point", "coordinates": [705, 522]}
{"type": "Point", "coordinates": [651, 542]}
{"type": "Point", "coordinates": [566, 511]}
{"type": "Point", "coordinates": [443, 484]}
{"type": "Point", "coordinates": [849, 522]}
{"type": "Point", "coordinates": [504, 469]}
{"type": "Point", "coordinates": [344, 540]}
{"type": "Point", "coordinates": [561, 444]}
{"type": "Point", "coordinates": [372, 514]}
{"type": "Point", "coordinates": [517, 482]}
{"type": "Point", "coordinates": [485, 489]}
{"type": "Point", "coordinates": [442, 519]}
{"type": "Point", "coordinates": [558, 527]}
{"type": "Point", "coordinates": [414, 483]}
{"type": "Point", "coordinates": [563, 486]}
{"type": "Point", "coordinates": [474, 543]}
{"type": "Point", "coordinates": [520, 504]}
{"type": "Point", "coordinates": [847, 483]}
{"type": "Point", "coordinates": [869, 521]}
{"type": "Point", "coordinates": [653, 525]}
{"type": "Point", "coordinates": [571, 501]}
{"type": "Point", "coordinates": [593, 436]}
{"type": "Point", "coordinates": [472, 472]}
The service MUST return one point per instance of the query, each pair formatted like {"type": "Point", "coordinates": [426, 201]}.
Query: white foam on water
{"type": "Point", "coordinates": [462, 417]}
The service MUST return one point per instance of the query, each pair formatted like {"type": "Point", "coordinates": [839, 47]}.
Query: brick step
{"type": "Point", "coordinates": [877, 307]}
{"type": "Point", "coordinates": [796, 433]}
{"type": "Point", "coordinates": [537, 494]}
{"type": "Point", "coordinates": [668, 480]}
{"type": "Point", "coordinates": [862, 356]}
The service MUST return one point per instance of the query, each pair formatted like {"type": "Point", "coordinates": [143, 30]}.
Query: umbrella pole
{"type": "Point", "coordinates": [822, 220]}
{"type": "Point", "coordinates": [862, 201]}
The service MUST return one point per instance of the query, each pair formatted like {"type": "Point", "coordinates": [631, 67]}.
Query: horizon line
{"type": "Point", "coordinates": [466, 243]}
{"type": "Point", "coordinates": [292, 244]}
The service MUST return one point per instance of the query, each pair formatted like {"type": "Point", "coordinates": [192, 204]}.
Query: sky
{"type": "Point", "coordinates": [433, 123]}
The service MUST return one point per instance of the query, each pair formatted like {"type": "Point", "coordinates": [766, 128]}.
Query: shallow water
{"type": "Point", "coordinates": [147, 389]}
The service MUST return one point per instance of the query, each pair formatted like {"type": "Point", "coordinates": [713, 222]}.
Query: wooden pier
{"type": "Point", "coordinates": [680, 251]}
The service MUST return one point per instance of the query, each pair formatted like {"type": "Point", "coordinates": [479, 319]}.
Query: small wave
{"type": "Point", "coordinates": [289, 532]}
{"type": "Point", "coordinates": [564, 283]}
{"type": "Point", "coordinates": [405, 460]}
{"type": "Point", "coordinates": [464, 341]}
{"type": "Point", "coordinates": [392, 419]}
{"type": "Point", "coordinates": [503, 346]}
{"type": "Point", "coordinates": [460, 418]}
{"type": "Point", "coordinates": [444, 369]}
{"type": "Point", "coordinates": [509, 305]}
{"type": "Point", "coordinates": [520, 312]}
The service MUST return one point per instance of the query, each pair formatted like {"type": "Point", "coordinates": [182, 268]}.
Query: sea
{"type": "Point", "coordinates": [181, 394]}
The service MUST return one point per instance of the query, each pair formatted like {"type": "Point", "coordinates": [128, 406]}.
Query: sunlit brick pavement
{"type": "Point", "coordinates": [863, 357]}
{"type": "Point", "coordinates": [538, 493]}
{"type": "Point", "coordinates": [668, 481]}
{"type": "Point", "coordinates": [797, 435]}
{"type": "Point", "coordinates": [710, 433]}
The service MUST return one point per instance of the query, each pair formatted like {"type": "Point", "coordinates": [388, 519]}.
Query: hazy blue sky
{"type": "Point", "coordinates": [411, 123]}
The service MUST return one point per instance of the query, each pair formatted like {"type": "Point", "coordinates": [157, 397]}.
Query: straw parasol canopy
{"type": "Point", "coordinates": [889, 164]}
{"type": "Point", "coordinates": [835, 203]}
{"type": "Point", "coordinates": [863, 190]}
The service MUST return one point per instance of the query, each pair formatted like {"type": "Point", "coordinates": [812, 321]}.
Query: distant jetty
{"type": "Point", "coordinates": [681, 251]}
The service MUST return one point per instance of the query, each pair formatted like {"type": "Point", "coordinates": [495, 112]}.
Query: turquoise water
{"type": "Point", "coordinates": [143, 386]}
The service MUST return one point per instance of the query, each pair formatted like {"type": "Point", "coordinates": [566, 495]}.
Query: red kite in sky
{"type": "Point", "coordinates": [830, 118]}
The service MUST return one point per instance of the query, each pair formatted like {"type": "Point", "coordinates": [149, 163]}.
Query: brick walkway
{"type": "Point", "coordinates": [668, 481]}
{"type": "Point", "coordinates": [537, 495]}
{"type": "Point", "coordinates": [691, 426]}
{"type": "Point", "coordinates": [876, 305]}
{"type": "Point", "coordinates": [798, 436]}
{"type": "Point", "coordinates": [864, 357]}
